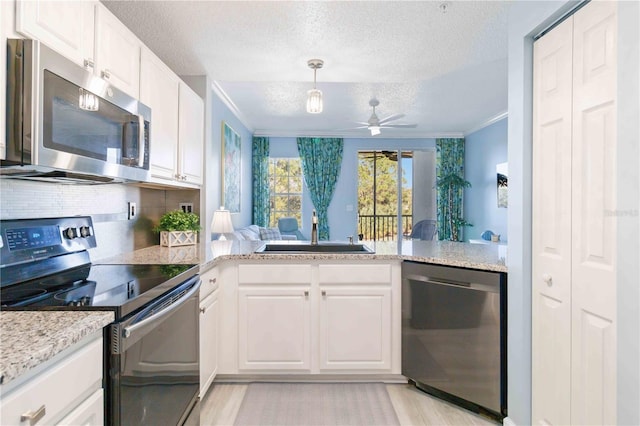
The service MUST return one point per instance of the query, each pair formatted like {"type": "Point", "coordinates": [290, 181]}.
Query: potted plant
{"type": "Point", "coordinates": [178, 228]}
{"type": "Point", "coordinates": [453, 220]}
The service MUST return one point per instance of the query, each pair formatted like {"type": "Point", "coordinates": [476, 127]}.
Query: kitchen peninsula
{"type": "Point", "coordinates": [312, 316]}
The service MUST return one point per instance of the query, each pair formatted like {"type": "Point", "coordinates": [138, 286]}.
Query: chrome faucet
{"type": "Point", "coordinates": [314, 228]}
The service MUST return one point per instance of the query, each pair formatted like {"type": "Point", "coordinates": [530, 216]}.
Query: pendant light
{"type": "Point", "coordinates": [314, 96]}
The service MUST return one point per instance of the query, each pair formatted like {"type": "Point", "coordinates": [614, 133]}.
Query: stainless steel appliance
{"type": "Point", "coordinates": [454, 335]}
{"type": "Point", "coordinates": [65, 123]}
{"type": "Point", "coordinates": [151, 354]}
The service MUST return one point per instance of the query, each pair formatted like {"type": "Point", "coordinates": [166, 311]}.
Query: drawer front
{"type": "Point", "coordinates": [59, 388]}
{"type": "Point", "coordinates": [274, 274]}
{"type": "Point", "coordinates": [210, 283]}
{"type": "Point", "coordinates": [89, 413]}
{"type": "Point", "coordinates": [355, 274]}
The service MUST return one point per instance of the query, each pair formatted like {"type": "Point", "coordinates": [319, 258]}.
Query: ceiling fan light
{"type": "Point", "coordinates": [375, 130]}
{"type": "Point", "coordinates": [314, 101]}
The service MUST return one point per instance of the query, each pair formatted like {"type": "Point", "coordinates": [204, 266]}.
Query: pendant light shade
{"type": "Point", "coordinates": [314, 96]}
{"type": "Point", "coordinates": [314, 101]}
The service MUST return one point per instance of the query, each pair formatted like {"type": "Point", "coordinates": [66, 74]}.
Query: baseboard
{"type": "Point", "coordinates": [508, 422]}
{"type": "Point", "coordinates": [310, 378]}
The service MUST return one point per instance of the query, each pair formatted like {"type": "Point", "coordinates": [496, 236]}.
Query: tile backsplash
{"type": "Point", "coordinates": [106, 204]}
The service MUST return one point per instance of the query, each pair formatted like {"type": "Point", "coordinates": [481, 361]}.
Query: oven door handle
{"type": "Point", "coordinates": [128, 330]}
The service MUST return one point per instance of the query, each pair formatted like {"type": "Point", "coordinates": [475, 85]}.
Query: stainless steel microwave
{"type": "Point", "coordinates": [66, 124]}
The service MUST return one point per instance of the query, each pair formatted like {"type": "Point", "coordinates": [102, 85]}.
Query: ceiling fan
{"type": "Point", "coordinates": [374, 124]}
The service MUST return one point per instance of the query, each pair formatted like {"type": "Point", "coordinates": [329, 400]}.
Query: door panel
{"type": "Point", "coordinates": [593, 217]}
{"type": "Point", "coordinates": [551, 233]}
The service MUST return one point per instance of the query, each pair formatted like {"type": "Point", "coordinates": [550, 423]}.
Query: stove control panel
{"type": "Point", "coordinates": [33, 239]}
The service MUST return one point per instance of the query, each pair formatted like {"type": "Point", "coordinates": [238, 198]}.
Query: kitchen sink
{"type": "Point", "coordinates": [322, 247]}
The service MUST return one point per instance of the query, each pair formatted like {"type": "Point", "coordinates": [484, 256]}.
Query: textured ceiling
{"type": "Point", "coordinates": [447, 72]}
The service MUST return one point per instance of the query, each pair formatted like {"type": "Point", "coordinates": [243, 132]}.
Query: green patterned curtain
{"type": "Point", "coordinates": [451, 184]}
{"type": "Point", "coordinates": [321, 161]}
{"type": "Point", "coordinates": [260, 168]}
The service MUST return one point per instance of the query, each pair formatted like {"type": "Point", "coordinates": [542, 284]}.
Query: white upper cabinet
{"type": "Point", "coordinates": [65, 26]}
{"type": "Point", "coordinates": [88, 34]}
{"type": "Point", "coordinates": [159, 88]}
{"type": "Point", "coordinates": [117, 52]}
{"type": "Point", "coordinates": [191, 136]}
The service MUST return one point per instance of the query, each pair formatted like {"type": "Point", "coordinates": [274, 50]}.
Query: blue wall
{"type": "Point", "coordinates": [343, 207]}
{"type": "Point", "coordinates": [484, 149]}
{"type": "Point", "coordinates": [220, 112]}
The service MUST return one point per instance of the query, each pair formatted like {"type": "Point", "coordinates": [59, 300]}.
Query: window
{"type": "Point", "coordinates": [285, 189]}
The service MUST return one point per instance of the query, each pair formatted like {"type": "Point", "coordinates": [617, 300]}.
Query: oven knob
{"type": "Point", "coordinates": [70, 233]}
{"type": "Point", "coordinates": [85, 231]}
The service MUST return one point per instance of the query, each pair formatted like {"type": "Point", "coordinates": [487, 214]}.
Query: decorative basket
{"type": "Point", "coordinates": [178, 238]}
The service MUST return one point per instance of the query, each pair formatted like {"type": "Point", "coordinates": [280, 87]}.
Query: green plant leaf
{"type": "Point", "coordinates": [177, 220]}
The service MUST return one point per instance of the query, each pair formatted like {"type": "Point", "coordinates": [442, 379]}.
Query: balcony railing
{"type": "Point", "coordinates": [383, 227]}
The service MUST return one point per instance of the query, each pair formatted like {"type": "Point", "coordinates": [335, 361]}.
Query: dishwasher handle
{"type": "Point", "coordinates": [493, 288]}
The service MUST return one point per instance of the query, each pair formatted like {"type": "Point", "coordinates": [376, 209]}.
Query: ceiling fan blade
{"type": "Point", "coordinates": [391, 118]}
{"type": "Point", "coordinates": [405, 126]}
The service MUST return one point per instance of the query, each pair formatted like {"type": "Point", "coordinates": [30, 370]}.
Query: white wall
{"type": "Point", "coordinates": [525, 20]}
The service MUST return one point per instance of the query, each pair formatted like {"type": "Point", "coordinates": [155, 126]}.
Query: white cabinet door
{"type": "Point", "coordinates": [274, 328]}
{"type": "Point", "coordinates": [159, 88]}
{"type": "Point", "coordinates": [65, 26]}
{"type": "Point", "coordinates": [117, 52]}
{"type": "Point", "coordinates": [209, 336]}
{"type": "Point", "coordinates": [89, 413]}
{"type": "Point", "coordinates": [551, 260]}
{"type": "Point", "coordinates": [594, 186]}
{"type": "Point", "coordinates": [355, 328]}
{"type": "Point", "coordinates": [191, 135]}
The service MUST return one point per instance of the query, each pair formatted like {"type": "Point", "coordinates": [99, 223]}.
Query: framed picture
{"type": "Point", "coordinates": [230, 169]}
{"type": "Point", "coordinates": [503, 183]}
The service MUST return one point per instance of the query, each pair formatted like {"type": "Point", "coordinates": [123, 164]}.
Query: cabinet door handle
{"type": "Point", "coordinates": [106, 74]}
{"type": "Point", "coordinates": [213, 280]}
{"type": "Point", "coordinates": [33, 416]}
{"type": "Point", "coordinates": [306, 293]}
{"type": "Point", "coordinates": [547, 279]}
{"type": "Point", "coordinates": [324, 293]}
{"type": "Point", "coordinates": [88, 63]}
{"type": "Point", "coordinates": [203, 310]}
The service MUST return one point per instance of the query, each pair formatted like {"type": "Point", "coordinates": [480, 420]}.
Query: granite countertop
{"type": "Point", "coordinates": [30, 338]}
{"type": "Point", "coordinates": [476, 256]}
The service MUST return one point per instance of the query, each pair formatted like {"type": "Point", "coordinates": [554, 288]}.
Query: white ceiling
{"type": "Point", "coordinates": [446, 71]}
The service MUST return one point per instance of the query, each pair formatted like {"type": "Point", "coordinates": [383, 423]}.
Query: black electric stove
{"type": "Point", "coordinates": [46, 265]}
{"type": "Point", "coordinates": [151, 351]}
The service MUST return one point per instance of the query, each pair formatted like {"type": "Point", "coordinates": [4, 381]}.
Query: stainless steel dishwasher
{"type": "Point", "coordinates": [454, 335]}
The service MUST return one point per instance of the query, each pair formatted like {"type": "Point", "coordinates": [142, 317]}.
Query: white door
{"type": "Point", "coordinates": [274, 328]}
{"type": "Point", "coordinates": [551, 232]}
{"type": "Point", "coordinates": [209, 336]}
{"type": "Point", "coordinates": [594, 222]}
{"type": "Point", "coordinates": [191, 137]}
{"type": "Point", "coordinates": [159, 91]}
{"type": "Point", "coordinates": [117, 52]}
{"type": "Point", "coordinates": [65, 26]}
{"type": "Point", "coordinates": [355, 328]}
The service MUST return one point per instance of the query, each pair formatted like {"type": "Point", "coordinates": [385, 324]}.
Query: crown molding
{"type": "Point", "coordinates": [355, 134]}
{"type": "Point", "coordinates": [232, 107]}
{"type": "Point", "coordinates": [487, 123]}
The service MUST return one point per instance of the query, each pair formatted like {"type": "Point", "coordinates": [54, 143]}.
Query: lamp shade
{"type": "Point", "coordinates": [314, 101]}
{"type": "Point", "coordinates": [221, 223]}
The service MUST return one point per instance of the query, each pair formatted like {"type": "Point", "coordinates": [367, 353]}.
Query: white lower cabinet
{"type": "Point", "coordinates": [209, 329]}
{"type": "Point", "coordinates": [89, 413]}
{"type": "Point", "coordinates": [355, 328]}
{"type": "Point", "coordinates": [312, 318]}
{"type": "Point", "coordinates": [67, 392]}
{"type": "Point", "coordinates": [209, 336]}
{"type": "Point", "coordinates": [274, 328]}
